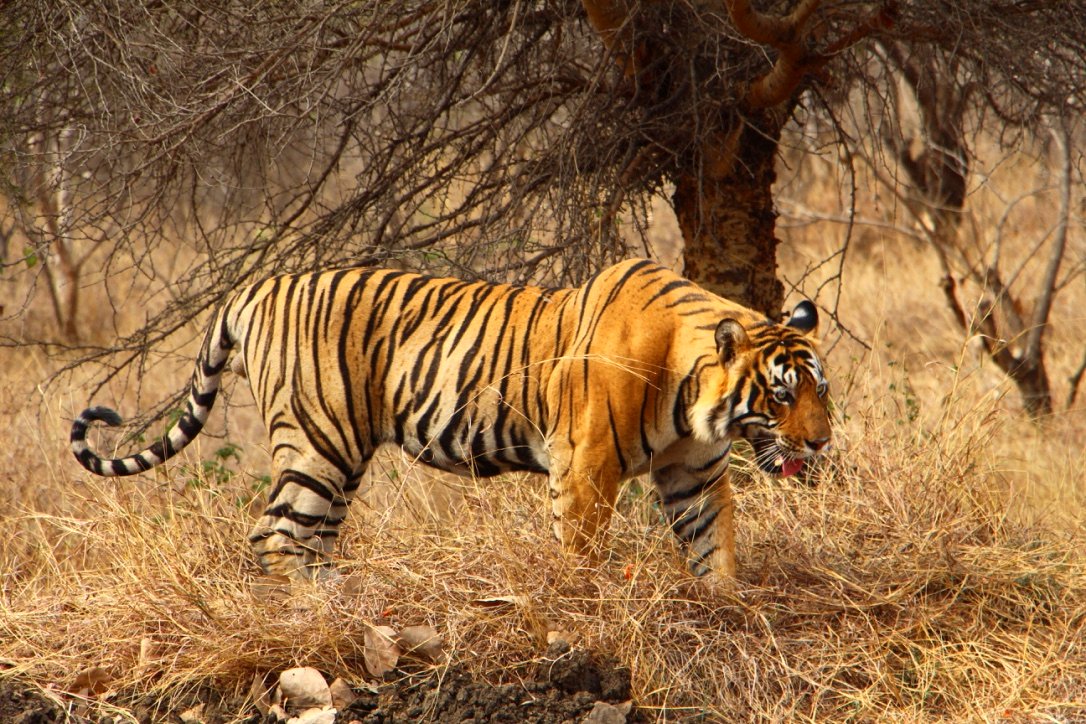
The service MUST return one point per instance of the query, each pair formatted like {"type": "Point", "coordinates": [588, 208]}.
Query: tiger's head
{"type": "Point", "coordinates": [772, 391]}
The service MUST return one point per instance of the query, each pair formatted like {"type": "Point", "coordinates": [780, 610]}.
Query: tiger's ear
{"type": "Point", "coordinates": [730, 338]}
{"type": "Point", "coordinates": [804, 317]}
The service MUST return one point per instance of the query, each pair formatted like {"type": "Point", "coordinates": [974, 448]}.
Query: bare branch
{"type": "Point", "coordinates": [610, 19]}
{"type": "Point", "coordinates": [788, 36]}
{"type": "Point", "coordinates": [1075, 379]}
{"type": "Point", "coordinates": [776, 31]}
{"type": "Point", "coordinates": [949, 292]}
{"type": "Point", "coordinates": [1062, 137]}
{"type": "Point", "coordinates": [791, 37]}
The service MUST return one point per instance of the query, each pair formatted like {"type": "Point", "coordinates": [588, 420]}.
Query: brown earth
{"type": "Point", "coordinates": [565, 688]}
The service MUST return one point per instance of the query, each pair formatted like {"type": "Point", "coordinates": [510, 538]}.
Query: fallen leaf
{"type": "Point", "coordinates": [314, 716]}
{"type": "Point", "coordinates": [304, 688]}
{"type": "Point", "coordinates": [260, 694]}
{"type": "Point", "coordinates": [422, 642]}
{"type": "Point", "coordinates": [91, 682]}
{"type": "Point", "coordinates": [352, 586]}
{"type": "Point", "coordinates": [381, 651]}
{"type": "Point", "coordinates": [342, 694]}
{"type": "Point", "coordinates": [150, 654]}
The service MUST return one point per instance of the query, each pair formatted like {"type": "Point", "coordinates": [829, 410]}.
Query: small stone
{"type": "Point", "coordinates": [604, 713]}
{"type": "Point", "coordinates": [565, 639]}
{"type": "Point", "coordinates": [195, 715]}
{"type": "Point", "coordinates": [278, 712]}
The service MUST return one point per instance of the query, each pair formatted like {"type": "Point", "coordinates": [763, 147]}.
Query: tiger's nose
{"type": "Point", "coordinates": [818, 443]}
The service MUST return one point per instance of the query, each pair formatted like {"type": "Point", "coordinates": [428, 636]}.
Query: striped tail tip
{"type": "Point", "coordinates": [102, 414]}
{"type": "Point", "coordinates": [87, 457]}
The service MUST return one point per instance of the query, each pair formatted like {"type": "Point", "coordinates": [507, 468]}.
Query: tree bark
{"type": "Point", "coordinates": [727, 217]}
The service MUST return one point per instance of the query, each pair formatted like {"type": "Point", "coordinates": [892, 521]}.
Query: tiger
{"type": "Point", "coordinates": [639, 371]}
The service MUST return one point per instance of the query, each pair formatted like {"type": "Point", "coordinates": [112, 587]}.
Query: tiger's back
{"type": "Point", "coordinates": [439, 366]}
{"type": "Point", "coordinates": [591, 385]}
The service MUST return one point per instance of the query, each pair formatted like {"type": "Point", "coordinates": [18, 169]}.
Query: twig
{"type": "Point", "coordinates": [1075, 379]}
{"type": "Point", "coordinates": [1041, 310]}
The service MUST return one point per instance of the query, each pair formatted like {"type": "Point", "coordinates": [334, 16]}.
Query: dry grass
{"type": "Point", "coordinates": [932, 570]}
{"type": "Point", "coordinates": [895, 587]}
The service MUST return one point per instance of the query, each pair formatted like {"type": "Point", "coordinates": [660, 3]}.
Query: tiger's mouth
{"type": "Point", "coordinates": [771, 458]}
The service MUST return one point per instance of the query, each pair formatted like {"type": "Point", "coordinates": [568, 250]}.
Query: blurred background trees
{"type": "Point", "coordinates": [182, 149]}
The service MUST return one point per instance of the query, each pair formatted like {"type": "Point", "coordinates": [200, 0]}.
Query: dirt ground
{"type": "Point", "coordinates": [566, 687]}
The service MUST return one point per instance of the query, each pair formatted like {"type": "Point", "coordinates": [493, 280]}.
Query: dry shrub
{"type": "Point", "coordinates": [892, 584]}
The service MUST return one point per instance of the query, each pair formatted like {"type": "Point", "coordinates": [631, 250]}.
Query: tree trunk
{"type": "Point", "coordinates": [1032, 381]}
{"type": "Point", "coordinates": [723, 189]}
{"type": "Point", "coordinates": [727, 218]}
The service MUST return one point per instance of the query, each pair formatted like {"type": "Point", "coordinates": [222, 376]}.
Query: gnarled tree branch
{"type": "Point", "coordinates": [792, 36]}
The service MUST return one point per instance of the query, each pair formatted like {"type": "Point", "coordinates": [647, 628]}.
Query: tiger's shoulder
{"type": "Point", "coordinates": [646, 285]}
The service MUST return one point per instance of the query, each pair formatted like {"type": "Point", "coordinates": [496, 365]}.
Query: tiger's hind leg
{"type": "Point", "coordinates": [297, 533]}
{"type": "Point", "coordinates": [701, 511]}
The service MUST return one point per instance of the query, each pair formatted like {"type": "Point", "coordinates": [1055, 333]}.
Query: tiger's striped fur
{"type": "Point", "coordinates": [638, 371]}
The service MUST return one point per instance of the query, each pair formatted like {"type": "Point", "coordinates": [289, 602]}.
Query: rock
{"type": "Point", "coordinates": [278, 712]}
{"type": "Point", "coordinates": [604, 713]}
{"type": "Point", "coordinates": [195, 715]}
{"type": "Point", "coordinates": [559, 636]}
{"type": "Point", "coordinates": [304, 688]}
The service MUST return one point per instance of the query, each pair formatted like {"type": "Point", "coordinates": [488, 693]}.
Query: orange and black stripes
{"type": "Point", "coordinates": [622, 376]}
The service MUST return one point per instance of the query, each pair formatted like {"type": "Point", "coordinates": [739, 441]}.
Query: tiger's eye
{"type": "Point", "coordinates": [782, 395]}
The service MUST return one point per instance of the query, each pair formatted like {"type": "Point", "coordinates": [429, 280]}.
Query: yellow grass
{"type": "Point", "coordinates": [932, 569]}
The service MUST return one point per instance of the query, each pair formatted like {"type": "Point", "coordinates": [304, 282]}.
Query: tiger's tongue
{"type": "Point", "coordinates": [790, 467]}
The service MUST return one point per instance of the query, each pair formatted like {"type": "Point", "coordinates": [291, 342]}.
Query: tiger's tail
{"type": "Point", "coordinates": [203, 389]}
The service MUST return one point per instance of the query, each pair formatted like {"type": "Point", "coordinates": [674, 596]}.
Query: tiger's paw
{"type": "Point", "coordinates": [279, 555]}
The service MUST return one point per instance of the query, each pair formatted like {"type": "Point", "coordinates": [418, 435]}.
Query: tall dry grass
{"type": "Point", "coordinates": [932, 569]}
{"type": "Point", "coordinates": [896, 587]}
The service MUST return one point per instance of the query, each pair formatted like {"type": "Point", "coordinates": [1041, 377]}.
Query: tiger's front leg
{"type": "Point", "coordinates": [701, 511]}
{"type": "Point", "coordinates": [583, 494]}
